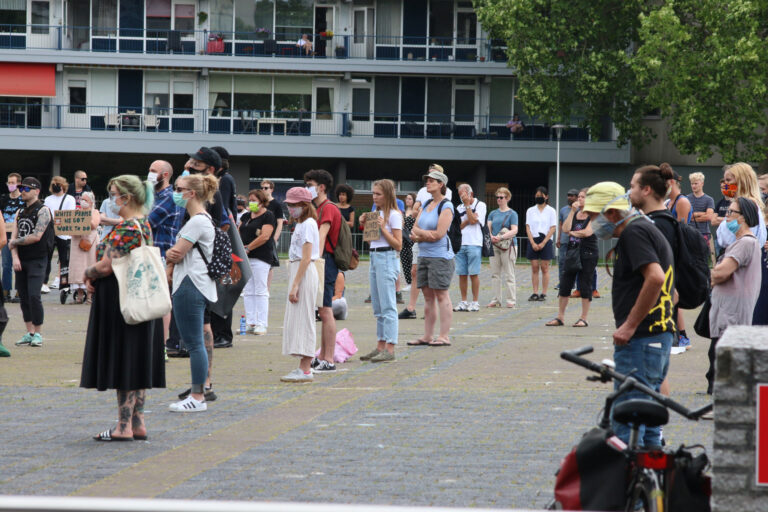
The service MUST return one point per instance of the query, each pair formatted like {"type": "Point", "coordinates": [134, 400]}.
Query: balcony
{"type": "Point", "coordinates": [248, 44]}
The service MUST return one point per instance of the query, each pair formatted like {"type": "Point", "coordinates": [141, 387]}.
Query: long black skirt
{"type": "Point", "coordinates": [118, 355]}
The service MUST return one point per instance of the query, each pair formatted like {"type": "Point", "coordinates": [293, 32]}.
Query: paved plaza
{"type": "Point", "coordinates": [482, 423]}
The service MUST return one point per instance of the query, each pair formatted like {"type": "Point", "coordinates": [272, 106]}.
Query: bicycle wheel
{"type": "Point", "coordinates": [646, 495]}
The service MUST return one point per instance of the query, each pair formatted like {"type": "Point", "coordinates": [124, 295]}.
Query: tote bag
{"type": "Point", "coordinates": [142, 283]}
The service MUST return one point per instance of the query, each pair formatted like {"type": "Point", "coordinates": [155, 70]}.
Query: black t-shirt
{"type": "Point", "coordinates": [9, 206]}
{"type": "Point", "coordinates": [250, 229]}
{"type": "Point", "coordinates": [665, 222]}
{"type": "Point", "coordinates": [227, 190]}
{"type": "Point", "coordinates": [721, 208]}
{"type": "Point", "coordinates": [26, 223]}
{"type": "Point", "coordinates": [277, 209]}
{"type": "Point", "coordinates": [640, 244]}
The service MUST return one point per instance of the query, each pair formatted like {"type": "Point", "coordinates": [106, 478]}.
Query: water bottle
{"type": "Point", "coordinates": [242, 324]}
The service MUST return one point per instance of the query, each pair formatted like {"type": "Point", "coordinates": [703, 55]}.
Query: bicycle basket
{"type": "Point", "coordinates": [593, 476]}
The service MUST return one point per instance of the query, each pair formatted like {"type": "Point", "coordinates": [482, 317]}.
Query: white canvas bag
{"type": "Point", "coordinates": [143, 285]}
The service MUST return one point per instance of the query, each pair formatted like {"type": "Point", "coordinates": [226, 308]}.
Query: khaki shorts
{"type": "Point", "coordinates": [435, 273]}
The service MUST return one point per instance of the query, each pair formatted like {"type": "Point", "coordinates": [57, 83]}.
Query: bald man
{"type": "Point", "coordinates": [165, 217]}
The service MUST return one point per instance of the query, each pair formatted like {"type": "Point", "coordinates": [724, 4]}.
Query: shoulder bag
{"type": "Point", "coordinates": [142, 283]}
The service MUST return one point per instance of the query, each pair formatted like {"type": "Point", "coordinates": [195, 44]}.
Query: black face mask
{"type": "Point", "coordinates": [540, 200]}
{"type": "Point", "coordinates": [56, 188]}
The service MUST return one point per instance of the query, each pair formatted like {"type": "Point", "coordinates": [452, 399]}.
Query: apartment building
{"type": "Point", "coordinates": [363, 88]}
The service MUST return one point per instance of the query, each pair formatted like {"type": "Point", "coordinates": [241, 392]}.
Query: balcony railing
{"type": "Point", "coordinates": [250, 44]}
{"type": "Point", "coordinates": [274, 123]}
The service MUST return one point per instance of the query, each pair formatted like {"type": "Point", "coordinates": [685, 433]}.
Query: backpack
{"type": "Point", "coordinates": [454, 231]}
{"type": "Point", "coordinates": [221, 260]}
{"type": "Point", "coordinates": [344, 255]}
{"type": "Point", "coordinates": [691, 264]}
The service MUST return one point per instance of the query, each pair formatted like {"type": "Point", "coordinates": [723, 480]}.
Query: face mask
{"type": "Point", "coordinates": [539, 200]}
{"type": "Point", "coordinates": [152, 178]}
{"type": "Point", "coordinates": [12, 188]}
{"type": "Point", "coordinates": [254, 207]}
{"type": "Point", "coordinates": [602, 227]}
{"type": "Point", "coordinates": [114, 208]}
{"type": "Point", "coordinates": [313, 191]}
{"type": "Point", "coordinates": [56, 189]}
{"type": "Point", "coordinates": [179, 200]}
{"type": "Point", "coordinates": [185, 173]}
{"type": "Point", "coordinates": [733, 226]}
{"type": "Point", "coordinates": [295, 211]}
{"type": "Point", "coordinates": [729, 189]}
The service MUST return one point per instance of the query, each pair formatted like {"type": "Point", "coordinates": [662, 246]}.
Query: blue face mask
{"type": "Point", "coordinates": [602, 227]}
{"type": "Point", "coordinates": [733, 226]}
{"type": "Point", "coordinates": [179, 200]}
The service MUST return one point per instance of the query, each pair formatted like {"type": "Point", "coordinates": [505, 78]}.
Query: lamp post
{"type": "Point", "coordinates": [558, 132]}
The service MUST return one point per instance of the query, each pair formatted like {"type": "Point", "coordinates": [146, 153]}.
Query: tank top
{"type": "Point", "coordinates": [26, 221]}
{"type": "Point", "coordinates": [585, 244]}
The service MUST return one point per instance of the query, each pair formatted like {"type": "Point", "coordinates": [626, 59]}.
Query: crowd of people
{"type": "Point", "coordinates": [423, 236]}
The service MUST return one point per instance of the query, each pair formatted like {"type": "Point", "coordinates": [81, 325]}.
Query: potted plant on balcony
{"type": "Point", "coordinates": [262, 33]}
{"type": "Point", "coordinates": [326, 35]}
{"type": "Point", "coordinates": [341, 52]}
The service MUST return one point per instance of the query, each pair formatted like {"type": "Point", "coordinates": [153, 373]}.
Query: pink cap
{"type": "Point", "coordinates": [298, 195]}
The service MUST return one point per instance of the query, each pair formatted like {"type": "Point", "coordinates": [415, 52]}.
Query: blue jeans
{"type": "Point", "coordinates": [469, 260]}
{"type": "Point", "coordinates": [650, 356]}
{"type": "Point", "coordinates": [383, 275]}
{"type": "Point", "coordinates": [188, 310]}
{"type": "Point", "coordinates": [7, 268]}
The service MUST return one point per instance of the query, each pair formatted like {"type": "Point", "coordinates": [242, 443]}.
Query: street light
{"type": "Point", "coordinates": [559, 132]}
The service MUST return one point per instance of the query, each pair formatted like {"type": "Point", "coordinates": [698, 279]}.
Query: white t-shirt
{"type": "Point", "coordinates": [726, 238]}
{"type": "Point", "coordinates": [423, 196]}
{"type": "Point", "coordinates": [395, 221]}
{"type": "Point", "coordinates": [472, 234]}
{"type": "Point", "coordinates": [198, 229]}
{"type": "Point", "coordinates": [53, 202]}
{"type": "Point", "coordinates": [305, 232]}
{"type": "Point", "coordinates": [540, 221]}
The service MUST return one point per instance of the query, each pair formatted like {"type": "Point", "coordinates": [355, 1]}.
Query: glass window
{"type": "Point", "coordinates": [253, 19]}
{"type": "Point", "coordinates": [324, 103]}
{"type": "Point", "coordinates": [40, 13]}
{"type": "Point", "coordinates": [409, 186]}
{"type": "Point", "coordinates": [465, 105]}
{"type": "Point", "coordinates": [388, 22]}
{"type": "Point", "coordinates": [501, 100]}
{"type": "Point", "coordinates": [13, 16]}
{"type": "Point", "coordinates": [253, 96]}
{"type": "Point", "coordinates": [439, 100]}
{"type": "Point", "coordinates": [183, 97]}
{"type": "Point", "coordinates": [466, 28]}
{"type": "Point", "coordinates": [221, 17]}
{"type": "Point", "coordinates": [441, 22]}
{"type": "Point", "coordinates": [184, 18]}
{"type": "Point", "coordinates": [385, 103]}
{"type": "Point", "coordinates": [361, 104]}
{"type": "Point", "coordinates": [104, 14]}
{"type": "Point", "coordinates": [77, 96]}
{"type": "Point", "coordinates": [360, 185]}
{"type": "Point", "coordinates": [293, 18]}
{"type": "Point", "coordinates": [220, 95]}
{"type": "Point", "coordinates": [359, 27]}
{"type": "Point", "coordinates": [158, 18]}
{"type": "Point", "coordinates": [156, 98]}
{"type": "Point", "coordinates": [293, 96]}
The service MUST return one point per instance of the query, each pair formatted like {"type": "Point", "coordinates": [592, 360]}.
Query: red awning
{"type": "Point", "coordinates": [30, 80]}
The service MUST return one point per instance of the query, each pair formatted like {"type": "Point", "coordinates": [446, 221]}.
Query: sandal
{"type": "Point", "coordinates": [437, 342]}
{"type": "Point", "coordinates": [581, 323]}
{"type": "Point", "coordinates": [418, 342]}
{"type": "Point", "coordinates": [555, 322]}
{"type": "Point", "coordinates": [534, 297]}
{"type": "Point", "coordinates": [106, 436]}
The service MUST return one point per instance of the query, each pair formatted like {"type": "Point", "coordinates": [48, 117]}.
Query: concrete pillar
{"type": "Point", "coordinates": [241, 171]}
{"type": "Point", "coordinates": [477, 182]}
{"type": "Point", "coordinates": [56, 165]}
{"type": "Point", "coordinates": [742, 364]}
{"type": "Point", "coordinates": [339, 176]}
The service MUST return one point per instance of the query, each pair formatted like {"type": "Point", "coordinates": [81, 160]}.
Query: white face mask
{"type": "Point", "coordinates": [313, 191]}
{"type": "Point", "coordinates": [152, 178]}
{"type": "Point", "coordinates": [295, 211]}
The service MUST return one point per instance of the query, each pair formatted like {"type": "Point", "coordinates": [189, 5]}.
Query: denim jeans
{"type": "Point", "coordinates": [383, 275]}
{"type": "Point", "coordinates": [7, 268]}
{"type": "Point", "coordinates": [188, 310]}
{"type": "Point", "coordinates": [650, 357]}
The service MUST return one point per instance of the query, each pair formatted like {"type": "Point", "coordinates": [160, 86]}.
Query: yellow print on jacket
{"type": "Point", "coordinates": [665, 323]}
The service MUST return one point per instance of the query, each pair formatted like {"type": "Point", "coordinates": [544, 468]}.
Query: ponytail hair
{"type": "Point", "coordinates": [204, 186]}
{"type": "Point", "coordinates": [656, 177]}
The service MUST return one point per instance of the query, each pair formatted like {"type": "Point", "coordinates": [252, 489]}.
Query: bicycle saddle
{"type": "Point", "coordinates": [641, 412]}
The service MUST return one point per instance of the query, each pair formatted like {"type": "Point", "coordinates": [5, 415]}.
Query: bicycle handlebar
{"type": "Point", "coordinates": [607, 373]}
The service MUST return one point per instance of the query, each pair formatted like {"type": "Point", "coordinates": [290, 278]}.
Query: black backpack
{"type": "Point", "coordinates": [454, 231]}
{"type": "Point", "coordinates": [221, 259]}
{"type": "Point", "coordinates": [691, 264]}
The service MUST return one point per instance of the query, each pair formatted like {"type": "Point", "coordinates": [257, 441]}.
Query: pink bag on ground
{"type": "Point", "coordinates": [345, 346]}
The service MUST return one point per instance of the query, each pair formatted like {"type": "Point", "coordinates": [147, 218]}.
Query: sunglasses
{"type": "Point", "coordinates": [266, 188]}
{"type": "Point", "coordinates": [25, 188]}
{"type": "Point", "coordinates": [500, 197]}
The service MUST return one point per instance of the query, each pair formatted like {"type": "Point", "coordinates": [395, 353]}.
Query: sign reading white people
{"type": "Point", "coordinates": [371, 229]}
{"type": "Point", "coordinates": [72, 222]}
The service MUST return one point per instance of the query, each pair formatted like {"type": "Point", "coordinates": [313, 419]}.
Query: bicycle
{"type": "Point", "coordinates": [655, 479]}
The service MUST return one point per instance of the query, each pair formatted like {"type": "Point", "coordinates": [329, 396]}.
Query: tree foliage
{"type": "Point", "coordinates": [702, 63]}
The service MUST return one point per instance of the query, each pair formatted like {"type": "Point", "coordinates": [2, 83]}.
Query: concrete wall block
{"type": "Point", "coordinates": [734, 364]}
{"type": "Point", "coordinates": [738, 503]}
{"type": "Point", "coordinates": [760, 366]}
{"type": "Point", "coordinates": [729, 458]}
{"type": "Point", "coordinates": [730, 437]}
{"type": "Point", "coordinates": [734, 391]}
{"type": "Point", "coordinates": [731, 414]}
{"type": "Point", "coordinates": [727, 483]}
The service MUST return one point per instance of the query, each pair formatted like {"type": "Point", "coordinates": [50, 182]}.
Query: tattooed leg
{"type": "Point", "coordinates": [137, 419]}
{"type": "Point", "coordinates": [208, 341]}
{"type": "Point", "coordinates": [125, 405]}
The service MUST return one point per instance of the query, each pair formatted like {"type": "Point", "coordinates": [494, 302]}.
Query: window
{"type": "Point", "coordinates": [466, 28]}
{"type": "Point", "coordinates": [439, 100]}
{"type": "Point", "coordinates": [359, 27]}
{"type": "Point", "coordinates": [40, 17]}
{"type": "Point", "coordinates": [253, 95]}
{"type": "Point", "coordinates": [158, 18]}
{"type": "Point", "coordinates": [183, 98]}
{"type": "Point", "coordinates": [157, 98]}
{"type": "Point", "coordinates": [253, 18]}
{"type": "Point", "coordinates": [361, 185]}
{"type": "Point", "coordinates": [388, 22]}
{"type": "Point", "coordinates": [361, 104]}
{"type": "Point", "coordinates": [386, 99]}
{"type": "Point", "coordinates": [221, 17]}
{"type": "Point", "coordinates": [408, 186]}
{"type": "Point", "coordinates": [293, 96]}
{"type": "Point", "coordinates": [104, 18]}
{"type": "Point", "coordinates": [293, 18]}
{"type": "Point", "coordinates": [465, 105]}
{"type": "Point", "coordinates": [220, 95]}
{"type": "Point", "coordinates": [184, 19]}
{"type": "Point", "coordinates": [77, 96]}
{"type": "Point", "coordinates": [501, 100]}
{"type": "Point", "coordinates": [324, 103]}
{"type": "Point", "coordinates": [441, 22]}
{"type": "Point", "coordinates": [13, 16]}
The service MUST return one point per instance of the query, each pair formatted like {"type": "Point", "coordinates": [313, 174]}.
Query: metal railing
{"type": "Point", "coordinates": [246, 121]}
{"type": "Point", "coordinates": [254, 43]}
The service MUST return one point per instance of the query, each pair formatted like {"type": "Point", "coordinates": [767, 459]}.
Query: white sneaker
{"type": "Point", "coordinates": [45, 289]}
{"type": "Point", "coordinates": [462, 306]}
{"type": "Point", "coordinates": [407, 288]}
{"type": "Point", "coordinates": [474, 306]}
{"type": "Point", "coordinates": [259, 330]}
{"type": "Point", "coordinates": [55, 284]}
{"type": "Point", "coordinates": [298, 375]}
{"type": "Point", "coordinates": [189, 404]}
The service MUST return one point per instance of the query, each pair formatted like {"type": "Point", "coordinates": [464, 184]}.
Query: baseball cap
{"type": "Point", "coordinates": [207, 156]}
{"type": "Point", "coordinates": [676, 176]}
{"type": "Point", "coordinates": [603, 194]}
{"type": "Point", "coordinates": [436, 175]}
{"type": "Point", "coordinates": [573, 192]}
{"type": "Point", "coordinates": [31, 182]}
{"type": "Point", "coordinates": [223, 153]}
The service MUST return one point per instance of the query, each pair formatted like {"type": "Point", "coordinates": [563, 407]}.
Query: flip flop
{"type": "Point", "coordinates": [139, 437]}
{"type": "Point", "coordinates": [439, 343]}
{"type": "Point", "coordinates": [418, 342]}
{"type": "Point", "coordinates": [581, 323]}
{"type": "Point", "coordinates": [106, 436]}
{"type": "Point", "coordinates": [555, 322]}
